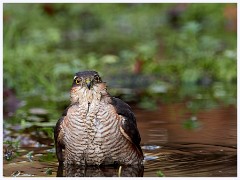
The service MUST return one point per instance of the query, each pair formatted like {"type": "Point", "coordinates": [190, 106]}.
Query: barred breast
{"type": "Point", "coordinates": [115, 146]}
{"type": "Point", "coordinates": [75, 136]}
{"type": "Point", "coordinates": [97, 140]}
{"type": "Point", "coordinates": [96, 128]}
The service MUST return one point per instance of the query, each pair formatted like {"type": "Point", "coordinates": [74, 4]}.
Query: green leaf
{"type": "Point", "coordinates": [160, 174]}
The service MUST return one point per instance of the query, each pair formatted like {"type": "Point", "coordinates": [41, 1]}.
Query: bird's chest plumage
{"type": "Point", "coordinates": [90, 133]}
{"type": "Point", "coordinates": [96, 128]}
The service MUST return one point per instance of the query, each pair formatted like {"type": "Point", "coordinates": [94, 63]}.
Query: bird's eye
{"type": "Point", "coordinates": [97, 78]}
{"type": "Point", "coordinates": [78, 80]}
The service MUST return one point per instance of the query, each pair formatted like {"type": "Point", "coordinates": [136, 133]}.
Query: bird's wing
{"type": "Point", "coordinates": [128, 124]}
{"type": "Point", "coordinates": [58, 135]}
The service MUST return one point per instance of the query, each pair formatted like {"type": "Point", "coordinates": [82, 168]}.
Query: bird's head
{"type": "Point", "coordinates": [86, 85]}
{"type": "Point", "coordinates": [86, 79]}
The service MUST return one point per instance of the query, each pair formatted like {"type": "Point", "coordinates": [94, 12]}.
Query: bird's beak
{"type": "Point", "coordinates": [89, 83]}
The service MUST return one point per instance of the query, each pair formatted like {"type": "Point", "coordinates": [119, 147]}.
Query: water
{"type": "Point", "coordinates": [175, 140]}
{"type": "Point", "coordinates": [207, 150]}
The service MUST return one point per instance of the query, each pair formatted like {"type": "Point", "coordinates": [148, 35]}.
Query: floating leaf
{"type": "Point", "coordinates": [29, 155]}
{"type": "Point", "coordinates": [16, 173]}
{"type": "Point", "coordinates": [160, 174]}
{"type": "Point", "coordinates": [48, 171]}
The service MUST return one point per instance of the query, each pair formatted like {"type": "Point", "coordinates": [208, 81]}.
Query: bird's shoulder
{"type": "Point", "coordinates": [123, 109]}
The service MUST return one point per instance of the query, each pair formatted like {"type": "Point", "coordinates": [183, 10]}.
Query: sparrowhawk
{"type": "Point", "coordinates": [96, 128]}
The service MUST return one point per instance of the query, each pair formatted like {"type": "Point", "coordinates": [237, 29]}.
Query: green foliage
{"type": "Point", "coordinates": [191, 124]}
{"type": "Point", "coordinates": [45, 44]}
{"type": "Point", "coordinates": [49, 131]}
{"type": "Point", "coordinates": [48, 171]}
{"type": "Point", "coordinates": [10, 150]}
{"type": "Point", "coordinates": [160, 174]}
{"type": "Point", "coordinates": [13, 144]}
{"type": "Point", "coordinates": [49, 157]}
{"type": "Point", "coordinates": [29, 156]}
{"type": "Point", "coordinates": [148, 103]}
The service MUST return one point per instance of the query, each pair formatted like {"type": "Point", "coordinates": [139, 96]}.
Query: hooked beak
{"type": "Point", "coordinates": [89, 83]}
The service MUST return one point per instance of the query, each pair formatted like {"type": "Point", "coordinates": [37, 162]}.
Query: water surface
{"type": "Point", "coordinates": [175, 140]}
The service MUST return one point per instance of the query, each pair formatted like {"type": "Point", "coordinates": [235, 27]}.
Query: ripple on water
{"type": "Point", "coordinates": [150, 147]}
{"type": "Point", "coordinates": [184, 160]}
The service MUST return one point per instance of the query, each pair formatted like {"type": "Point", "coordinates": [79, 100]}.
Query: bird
{"type": "Point", "coordinates": [96, 128]}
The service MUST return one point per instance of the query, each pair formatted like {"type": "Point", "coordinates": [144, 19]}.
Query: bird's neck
{"type": "Point", "coordinates": [87, 98]}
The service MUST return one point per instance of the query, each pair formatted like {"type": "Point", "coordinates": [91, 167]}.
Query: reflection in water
{"type": "Point", "coordinates": [206, 151]}
{"type": "Point", "coordinates": [166, 125]}
{"type": "Point", "coordinates": [100, 171]}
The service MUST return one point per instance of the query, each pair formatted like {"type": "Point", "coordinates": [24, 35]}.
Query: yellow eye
{"type": "Point", "coordinates": [78, 80]}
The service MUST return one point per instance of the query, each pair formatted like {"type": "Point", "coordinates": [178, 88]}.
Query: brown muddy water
{"type": "Point", "coordinates": [175, 142]}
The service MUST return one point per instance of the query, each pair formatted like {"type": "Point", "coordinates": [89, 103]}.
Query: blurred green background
{"type": "Point", "coordinates": [148, 53]}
